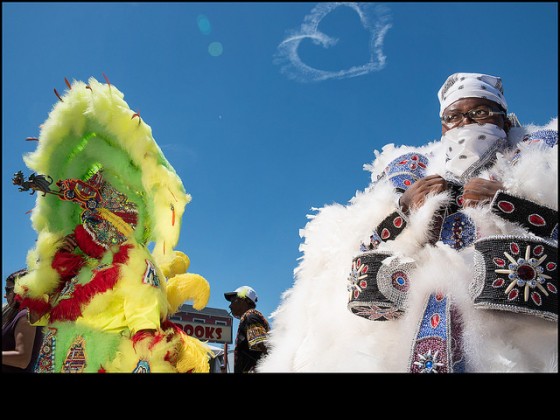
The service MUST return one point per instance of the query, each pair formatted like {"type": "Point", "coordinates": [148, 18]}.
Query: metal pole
{"type": "Point", "coordinates": [226, 357]}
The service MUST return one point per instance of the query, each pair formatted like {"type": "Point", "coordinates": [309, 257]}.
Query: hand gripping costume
{"type": "Point", "coordinates": [375, 293]}
{"type": "Point", "coordinates": [105, 300]}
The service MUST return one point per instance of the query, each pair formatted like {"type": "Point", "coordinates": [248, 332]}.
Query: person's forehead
{"type": "Point", "coordinates": [470, 102]}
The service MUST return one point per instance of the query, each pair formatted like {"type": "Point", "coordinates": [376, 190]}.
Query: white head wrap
{"type": "Point", "coordinates": [471, 85]}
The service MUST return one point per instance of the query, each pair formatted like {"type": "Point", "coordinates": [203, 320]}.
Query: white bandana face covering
{"type": "Point", "coordinates": [471, 147]}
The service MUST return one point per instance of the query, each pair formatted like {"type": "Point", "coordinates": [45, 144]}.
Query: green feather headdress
{"type": "Point", "coordinates": [92, 128]}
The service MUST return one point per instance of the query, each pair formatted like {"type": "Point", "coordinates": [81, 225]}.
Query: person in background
{"type": "Point", "coordinates": [250, 342]}
{"type": "Point", "coordinates": [20, 340]}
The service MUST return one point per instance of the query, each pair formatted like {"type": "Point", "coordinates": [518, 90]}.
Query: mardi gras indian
{"type": "Point", "coordinates": [447, 262]}
{"type": "Point", "coordinates": [102, 296]}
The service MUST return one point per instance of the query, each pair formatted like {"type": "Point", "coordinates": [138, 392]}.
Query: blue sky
{"type": "Point", "coordinates": [265, 110]}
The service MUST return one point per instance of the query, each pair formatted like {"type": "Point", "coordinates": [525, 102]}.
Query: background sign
{"type": "Point", "coordinates": [207, 332]}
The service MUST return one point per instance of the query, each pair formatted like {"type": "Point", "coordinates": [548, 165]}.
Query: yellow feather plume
{"type": "Point", "coordinates": [194, 356]}
{"type": "Point", "coordinates": [187, 286]}
{"type": "Point", "coordinates": [179, 264]}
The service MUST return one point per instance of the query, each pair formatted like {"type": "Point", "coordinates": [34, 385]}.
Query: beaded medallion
{"type": "Point", "coordinates": [378, 284]}
{"type": "Point", "coordinates": [517, 274]}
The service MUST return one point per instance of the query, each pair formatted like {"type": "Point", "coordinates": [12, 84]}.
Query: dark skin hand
{"type": "Point", "coordinates": [476, 191]}
{"type": "Point", "coordinates": [415, 196]}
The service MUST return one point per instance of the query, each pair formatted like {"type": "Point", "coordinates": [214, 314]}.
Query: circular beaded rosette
{"type": "Point", "coordinates": [378, 284]}
{"type": "Point", "coordinates": [516, 274]}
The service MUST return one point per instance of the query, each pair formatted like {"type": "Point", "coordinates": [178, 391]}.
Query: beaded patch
{"type": "Point", "coordinates": [391, 227]}
{"type": "Point", "coordinates": [256, 334]}
{"type": "Point", "coordinates": [456, 193]}
{"type": "Point", "coordinates": [517, 274]}
{"type": "Point", "coordinates": [45, 360]}
{"type": "Point", "coordinates": [438, 344]}
{"type": "Point", "coordinates": [457, 230]}
{"type": "Point", "coordinates": [540, 220]}
{"type": "Point", "coordinates": [67, 292]}
{"type": "Point", "coordinates": [142, 367]}
{"type": "Point", "coordinates": [75, 361]}
{"type": "Point", "coordinates": [150, 275]}
{"type": "Point", "coordinates": [548, 137]}
{"type": "Point", "coordinates": [108, 215]}
{"type": "Point", "coordinates": [406, 169]}
{"type": "Point", "coordinates": [378, 285]}
{"type": "Point", "coordinates": [545, 137]}
{"type": "Point", "coordinates": [374, 241]}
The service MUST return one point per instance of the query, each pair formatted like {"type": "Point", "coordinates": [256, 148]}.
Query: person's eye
{"type": "Point", "coordinates": [480, 113]}
{"type": "Point", "coordinates": [451, 117]}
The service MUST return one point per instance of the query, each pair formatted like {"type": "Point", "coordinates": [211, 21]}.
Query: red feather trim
{"type": "Point", "coordinates": [157, 338]}
{"type": "Point", "coordinates": [121, 257]}
{"type": "Point", "coordinates": [87, 244]}
{"type": "Point", "coordinates": [37, 306]}
{"type": "Point", "coordinates": [176, 329]}
{"type": "Point", "coordinates": [141, 335]}
{"type": "Point", "coordinates": [70, 309]}
{"type": "Point", "coordinates": [166, 324]}
{"type": "Point", "coordinates": [103, 280]}
{"type": "Point", "coordinates": [67, 264]}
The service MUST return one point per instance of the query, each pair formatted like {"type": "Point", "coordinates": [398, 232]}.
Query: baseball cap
{"type": "Point", "coordinates": [243, 292]}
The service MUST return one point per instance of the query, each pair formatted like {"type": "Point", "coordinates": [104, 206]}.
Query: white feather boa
{"type": "Point", "coordinates": [312, 329]}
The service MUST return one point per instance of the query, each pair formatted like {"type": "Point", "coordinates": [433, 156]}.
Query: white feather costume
{"type": "Point", "coordinates": [314, 331]}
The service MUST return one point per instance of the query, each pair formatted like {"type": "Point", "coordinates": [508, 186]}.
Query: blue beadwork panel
{"type": "Point", "coordinates": [406, 169]}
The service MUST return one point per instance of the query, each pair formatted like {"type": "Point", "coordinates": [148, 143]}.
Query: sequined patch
{"type": "Point", "coordinates": [438, 344]}
{"type": "Point", "coordinates": [45, 360]}
{"type": "Point", "coordinates": [75, 361]}
{"type": "Point", "coordinates": [150, 275]}
{"type": "Point", "coordinates": [458, 231]}
{"type": "Point", "coordinates": [142, 367]}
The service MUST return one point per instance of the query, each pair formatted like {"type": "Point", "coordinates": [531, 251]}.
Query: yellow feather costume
{"type": "Point", "coordinates": [105, 301]}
